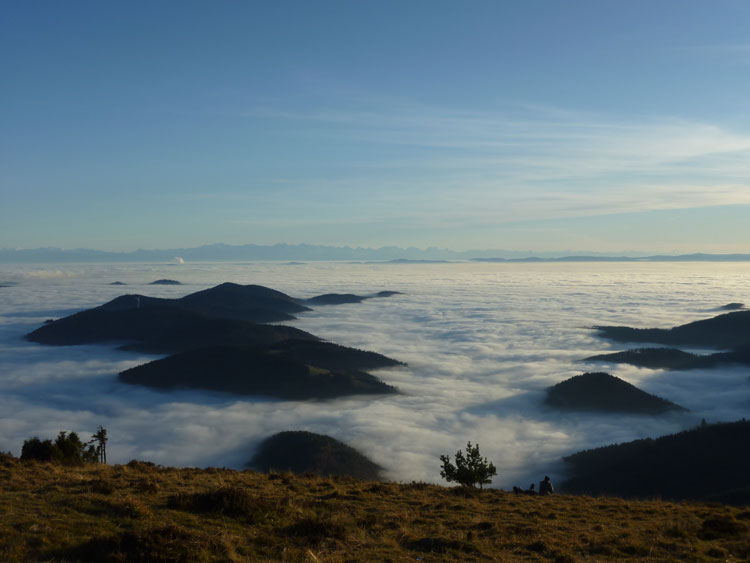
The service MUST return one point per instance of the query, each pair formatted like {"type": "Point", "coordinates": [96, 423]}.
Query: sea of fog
{"type": "Point", "coordinates": [482, 342]}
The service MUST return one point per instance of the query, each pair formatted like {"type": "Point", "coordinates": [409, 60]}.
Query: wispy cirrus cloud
{"type": "Point", "coordinates": [738, 52]}
{"type": "Point", "coordinates": [551, 162]}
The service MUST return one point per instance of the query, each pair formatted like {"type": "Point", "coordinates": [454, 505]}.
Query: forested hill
{"type": "Point", "coordinates": [711, 462]}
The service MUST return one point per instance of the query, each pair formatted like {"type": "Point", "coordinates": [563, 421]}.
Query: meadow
{"type": "Point", "coordinates": [143, 512]}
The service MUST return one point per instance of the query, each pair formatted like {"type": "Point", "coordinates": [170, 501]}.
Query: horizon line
{"type": "Point", "coordinates": [315, 252]}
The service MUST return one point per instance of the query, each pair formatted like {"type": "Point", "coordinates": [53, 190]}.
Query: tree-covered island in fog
{"type": "Point", "coordinates": [606, 393]}
{"type": "Point", "coordinates": [159, 330]}
{"type": "Point", "coordinates": [729, 332]}
{"type": "Point", "coordinates": [304, 452]}
{"type": "Point", "coordinates": [672, 358]}
{"type": "Point", "coordinates": [251, 371]}
{"type": "Point", "coordinates": [341, 298]}
{"type": "Point", "coordinates": [726, 331]}
{"type": "Point", "coordinates": [217, 347]}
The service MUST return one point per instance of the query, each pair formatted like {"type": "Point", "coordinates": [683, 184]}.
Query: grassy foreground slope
{"type": "Point", "coordinates": [140, 512]}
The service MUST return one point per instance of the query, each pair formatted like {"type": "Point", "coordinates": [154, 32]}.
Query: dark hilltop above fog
{"type": "Point", "coordinates": [329, 355]}
{"type": "Point", "coordinates": [305, 452]}
{"type": "Point", "coordinates": [165, 282]}
{"type": "Point", "coordinates": [341, 298]}
{"type": "Point", "coordinates": [335, 299]}
{"type": "Point", "coordinates": [606, 393]}
{"type": "Point", "coordinates": [709, 463]}
{"type": "Point", "coordinates": [217, 347]}
{"type": "Point", "coordinates": [673, 359]}
{"type": "Point", "coordinates": [733, 306]}
{"type": "Point", "coordinates": [253, 303]}
{"type": "Point", "coordinates": [128, 317]}
{"type": "Point", "coordinates": [724, 331]}
{"type": "Point", "coordinates": [274, 372]}
{"type": "Point", "coordinates": [654, 358]}
{"type": "Point", "coordinates": [730, 331]}
{"type": "Point", "coordinates": [159, 330]}
{"type": "Point", "coordinates": [412, 261]}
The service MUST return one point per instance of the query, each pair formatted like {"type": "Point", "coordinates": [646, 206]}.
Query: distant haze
{"type": "Point", "coordinates": [308, 252]}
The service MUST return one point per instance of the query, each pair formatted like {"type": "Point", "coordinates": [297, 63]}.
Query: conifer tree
{"type": "Point", "coordinates": [470, 469]}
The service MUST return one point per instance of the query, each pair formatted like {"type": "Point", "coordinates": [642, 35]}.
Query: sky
{"type": "Point", "coordinates": [540, 125]}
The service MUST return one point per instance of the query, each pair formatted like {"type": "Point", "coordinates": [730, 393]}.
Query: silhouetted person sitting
{"type": "Point", "coordinates": [545, 487]}
{"type": "Point", "coordinates": [531, 491]}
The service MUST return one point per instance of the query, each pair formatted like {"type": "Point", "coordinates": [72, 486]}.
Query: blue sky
{"type": "Point", "coordinates": [540, 125]}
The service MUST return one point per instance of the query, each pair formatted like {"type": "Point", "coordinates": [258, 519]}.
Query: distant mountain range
{"type": "Point", "coordinates": [295, 252]}
{"type": "Point", "coordinates": [697, 257]}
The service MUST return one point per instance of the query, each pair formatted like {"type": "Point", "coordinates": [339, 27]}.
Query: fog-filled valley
{"type": "Point", "coordinates": [482, 342]}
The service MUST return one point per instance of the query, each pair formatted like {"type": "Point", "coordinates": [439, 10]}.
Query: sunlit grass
{"type": "Point", "coordinates": [141, 512]}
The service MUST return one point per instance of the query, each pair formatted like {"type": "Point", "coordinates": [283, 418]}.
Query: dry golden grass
{"type": "Point", "coordinates": [140, 512]}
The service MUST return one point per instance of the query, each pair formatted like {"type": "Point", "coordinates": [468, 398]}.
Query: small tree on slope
{"type": "Point", "coordinates": [100, 439]}
{"type": "Point", "coordinates": [470, 468]}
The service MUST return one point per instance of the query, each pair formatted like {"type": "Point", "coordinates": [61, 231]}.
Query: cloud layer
{"type": "Point", "coordinates": [482, 342]}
